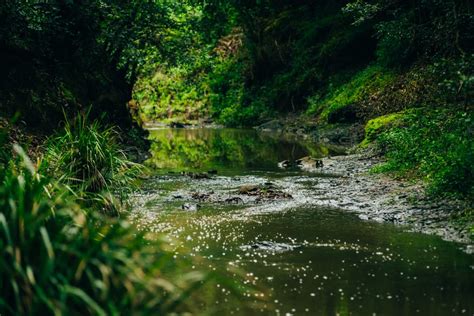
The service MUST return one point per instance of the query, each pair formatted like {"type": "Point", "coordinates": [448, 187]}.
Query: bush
{"type": "Point", "coordinates": [57, 259]}
{"type": "Point", "coordinates": [395, 44]}
{"type": "Point", "coordinates": [227, 92]}
{"type": "Point", "coordinates": [436, 144]}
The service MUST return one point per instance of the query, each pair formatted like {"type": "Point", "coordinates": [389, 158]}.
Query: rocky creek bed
{"type": "Point", "coordinates": [382, 198]}
{"type": "Point", "coordinates": [376, 196]}
{"type": "Point", "coordinates": [343, 181]}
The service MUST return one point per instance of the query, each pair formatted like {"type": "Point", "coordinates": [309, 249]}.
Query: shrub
{"type": "Point", "coordinates": [227, 92]}
{"type": "Point", "coordinates": [395, 44]}
{"type": "Point", "coordinates": [55, 259]}
{"type": "Point", "coordinates": [436, 144]}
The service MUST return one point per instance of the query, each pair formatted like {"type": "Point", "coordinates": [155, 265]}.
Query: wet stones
{"type": "Point", "coordinates": [201, 196]}
{"type": "Point", "coordinates": [178, 125]}
{"type": "Point", "coordinates": [271, 126]}
{"type": "Point", "coordinates": [190, 207]}
{"type": "Point", "coordinates": [305, 163]}
{"type": "Point", "coordinates": [196, 175]}
{"type": "Point", "coordinates": [266, 191]}
{"type": "Point", "coordinates": [285, 164]}
{"type": "Point", "coordinates": [309, 163]}
{"type": "Point", "coordinates": [249, 189]}
{"type": "Point", "coordinates": [270, 246]}
{"type": "Point", "coordinates": [234, 200]}
{"type": "Point", "coordinates": [208, 197]}
{"type": "Point", "coordinates": [200, 175]}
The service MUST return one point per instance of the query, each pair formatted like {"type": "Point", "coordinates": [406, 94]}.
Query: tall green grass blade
{"type": "Point", "coordinates": [86, 299]}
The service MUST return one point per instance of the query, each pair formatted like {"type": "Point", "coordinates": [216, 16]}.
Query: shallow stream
{"type": "Point", "coordinates": [219, 194]}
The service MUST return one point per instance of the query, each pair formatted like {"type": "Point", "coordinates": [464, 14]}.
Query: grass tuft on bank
{"type": "Point", "coordinates": [87, 157]}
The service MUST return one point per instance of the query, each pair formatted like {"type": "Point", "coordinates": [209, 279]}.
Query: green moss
{"type": "Point", "coordinates": [376, 126]}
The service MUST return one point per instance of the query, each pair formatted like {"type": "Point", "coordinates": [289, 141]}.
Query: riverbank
{"type": "Point", "coordinates": [374, 196]}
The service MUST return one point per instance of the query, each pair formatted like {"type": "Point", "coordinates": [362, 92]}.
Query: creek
{"type": "Point", "coordinates": [219, 194]}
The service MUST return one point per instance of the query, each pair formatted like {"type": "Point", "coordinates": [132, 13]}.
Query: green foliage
{"type": "Point", "coordinates": [88, 157]}
{"type": "Point", "coordinates": [376, 126]}
{"type": "Point", "coordinates": [410, 31]}
{"type": "Point", "coordinates": [455, 79]}
{"type": "Point", "coordinates": [295, 48]}
{"type": "Point", "coordinates": [172, 94]}
{"type": "Point", "coordinates": [286, 52]}
{"type": "Point", "coordinates": [361, 11]}
{"type": "Point", "coordinates": [243, 78]}
{"type": "Point", "coordinates": [4, 150]}
{"type": "Point", "coordinates": [435, 144]}
{"type": "Point", "coordinates": [174, 85]}
{"type": "Point", "coordinates": [395, 39]}
{"type": "Point", "coordinates": [228, 92]}
{"type": "Point", "coordinates": [46, 48]}
{"type": "Point", "coordinates": [57, 259]}
{"type": "Point", "coordinates": [360, 86]}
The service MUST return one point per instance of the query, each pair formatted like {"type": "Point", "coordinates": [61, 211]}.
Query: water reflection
{"type": "Point", "coordinates": [225, 149]}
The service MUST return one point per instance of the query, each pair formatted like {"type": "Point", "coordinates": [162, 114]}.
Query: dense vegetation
{"type": "Point", "coordinates": [63, 246]}
{"type": "Point", "coordinates": [59, 253]}
{"type": "Point", "coordinates": [403, 70]}
{"type": "Point", "coordinates": [336, 62]}
{"type": "Point", "coordinates": [67, 55]}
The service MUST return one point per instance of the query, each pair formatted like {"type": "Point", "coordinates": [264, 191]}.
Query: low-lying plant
{"type": "Point", "coordinates": [367, 81]}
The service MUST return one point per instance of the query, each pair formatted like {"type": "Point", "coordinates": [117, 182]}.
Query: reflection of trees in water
{"type": "Point", "coordinates": [223, 148]}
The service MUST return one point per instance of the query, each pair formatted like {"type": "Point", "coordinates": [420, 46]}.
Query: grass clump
{"type": "Point", "coordinates": [57, 258]}
{"type": "Point", "coordinates": [90, 160]}
{"type": "Point", "coordinates": [435, 144]}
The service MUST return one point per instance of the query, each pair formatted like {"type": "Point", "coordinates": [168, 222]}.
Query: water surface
{"type": "Point", "coordinates": [303, 258]}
